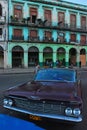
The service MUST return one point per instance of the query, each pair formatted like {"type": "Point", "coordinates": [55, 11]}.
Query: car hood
{"type": "Point", "coordinates": [43, 90]}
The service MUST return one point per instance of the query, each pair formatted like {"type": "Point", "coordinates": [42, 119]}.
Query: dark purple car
{"type": "Point", "coordinates": [52, 94]}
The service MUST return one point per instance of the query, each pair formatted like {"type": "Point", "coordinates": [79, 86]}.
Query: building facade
{"type": "Point", "coordinates": [45, 31]}
{"type": "Point", "coordinates": [3, 33]}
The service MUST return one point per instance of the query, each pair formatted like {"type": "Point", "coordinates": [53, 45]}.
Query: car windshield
{"type": "Point", "coordinates": [56, 75]}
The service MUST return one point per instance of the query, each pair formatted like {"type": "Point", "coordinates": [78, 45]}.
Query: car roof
{"type": "Point", "coordinates": [70, 69]}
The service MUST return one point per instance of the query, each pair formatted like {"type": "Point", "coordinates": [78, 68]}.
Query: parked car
{"type": "Point", "coordinates": [52, 94]}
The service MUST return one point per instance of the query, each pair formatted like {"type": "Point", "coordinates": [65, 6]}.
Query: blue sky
{"type": "Point", "coordinates": [84, 2]}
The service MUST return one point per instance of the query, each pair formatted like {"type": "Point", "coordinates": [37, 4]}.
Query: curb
{"type": "Point", "coordinates": [15, 71]}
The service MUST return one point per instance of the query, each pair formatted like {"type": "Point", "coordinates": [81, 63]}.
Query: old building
{"type": "Point", "coordinates": [3, 33]}
{"type": "Point", "coordinates": [45, 31]}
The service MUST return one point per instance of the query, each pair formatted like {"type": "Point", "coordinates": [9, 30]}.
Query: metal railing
{"type": "Point", "coordinates": [17, 38]}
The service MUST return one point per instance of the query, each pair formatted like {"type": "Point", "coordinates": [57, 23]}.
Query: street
{"type": "Point", "coordinates": [7, 81]}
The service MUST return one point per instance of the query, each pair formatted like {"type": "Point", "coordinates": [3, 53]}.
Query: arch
{"type": "Point", "coordinates": [17, 49]}
{"type": "Point", "coordinates": [61, 56]}
{"type": "Point", "coordinates": [82, 51]}
{"type": "Point", "coordinates": [47, 50]}
{"type": "Point", "coordinates": [48, 56]}
{"type": "Point", "coordinates": [1, 49]}
{"type": "Point", "coordinates": [33, 49]}
{"type": "Point", "coordinates": [83, 57]}
{"type": "Point", "coordinates": [33, 56]}
{"type": "Point", "coordinates": [61, 50]}
{"type": "Point", "coordinates": [17, 56]}
{"type": "Point", "coordinates": [0, 10]}
{"type": "Point", "coordinates": [1, 57]}
{"type": "Point", "coordinates": [72, 56]}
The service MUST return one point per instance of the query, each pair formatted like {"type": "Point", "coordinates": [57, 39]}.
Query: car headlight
{"type": "Point", "coordinates": [5, 101]}
{"type": "Point", "coordinates": [8, 102]}
{"type": "Point", "coordinates": [68, 111]}
{"type": "Point", "coordinates": [76, 111]}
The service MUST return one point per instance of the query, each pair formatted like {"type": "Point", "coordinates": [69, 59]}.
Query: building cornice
{"type": "Point", "coordinates": [61, 4]}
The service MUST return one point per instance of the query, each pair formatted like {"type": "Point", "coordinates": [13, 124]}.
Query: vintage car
{"type": "Point", "coordinates": [52, 94]}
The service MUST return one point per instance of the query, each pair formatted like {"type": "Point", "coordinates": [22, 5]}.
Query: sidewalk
{"type": "Point", "coordinates": [17, 70]}
{"type": "Point", "coordinates": [29, 70]}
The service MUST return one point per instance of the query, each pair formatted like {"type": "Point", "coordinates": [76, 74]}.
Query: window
{"type": "Point", "coordinates": [83, 39]}
{"type": "Point", "coordinates": [83, 22]}
{"type": "Point", "coordinates": [48, 15]}
{"type": "Point", "coordinates": [18, 11]}
{"type": "Point", "coordinates": [33, 33]}
{"type": "Point", "coordinates": [73, 37]}
{"type": "Point", "coordinates": [61, 18]}
{"type": "Point", "coordinates": [17, 32]}
{"type": "Point", "coordinates": [73, 20]}
{"type": "Point", "coordinates": [33, 14]}
{"type": "Point", "coordinates": [48, 34]}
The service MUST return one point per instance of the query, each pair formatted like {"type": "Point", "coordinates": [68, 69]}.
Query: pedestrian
{"type": "Point", "coordinates": [37, 67]}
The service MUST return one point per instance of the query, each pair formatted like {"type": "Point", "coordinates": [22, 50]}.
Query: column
{"type": "Point", "coordinates": [41, 59]}
{"type": "Point", "coordinates": [78, 20]}
{"type": "Point", "coordinates": [86, 57]}
{"type": "Point", "coordinates": [5, 58]}
{"type": "Point", "coordinates": [67, 17]}
{"type": "Point", "coordinates": [78, 38]}
{"type": "Point", "coordinates": [54, 17]}
{"type": "Point", "coordinates": [25, 59]}
{"type": "Point", "coordinates": [41, 12]}
{"type": "Point", "coordinates": [26, 10]}
{"type": "Point", "coordinates": [78, 59]}
{"type": "Point", "coordinates": [54, 58]}
{"type": "Point", "coordinates": [67, 58]}
{"type": "Point", "coordinates": [9, 59]}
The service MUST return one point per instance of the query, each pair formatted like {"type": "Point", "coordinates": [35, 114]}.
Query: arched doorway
{"type": "Point", "coordinates": [83, 57]}
{"type": "Point", "coordinates": [33, 56]}
{"type": "Point", "coordinates": [72, 56]}
{"type": "Point", "coordinates": [1, 57]}
{"type": "Point", "coordinates": [48, 56]}
{"type": "Point", "coordinates": [17, 56]}
{"type": "Point", "coordinates": [61, 55]}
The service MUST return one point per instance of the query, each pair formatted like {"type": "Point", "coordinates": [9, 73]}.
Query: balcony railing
{"type": "Point", "coordinates": [45, 24]}
{"type": "Point", "coordinates": [83, 42]}
{"type": "Point", "coordinates": [71, 41]}
{"type": "Point", "coordinates": [47, 40]}
{"type": "Point", "coordinates": [17, 38]}
{"type": "Point", "coordinates": [33, 39]}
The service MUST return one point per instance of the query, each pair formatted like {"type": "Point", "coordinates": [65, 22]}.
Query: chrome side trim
{"type": "Point", "coordinates": [59, 117]}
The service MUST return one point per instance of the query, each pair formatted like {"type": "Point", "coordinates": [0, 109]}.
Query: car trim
{"type": "Point", "coordinates": [59, 117]}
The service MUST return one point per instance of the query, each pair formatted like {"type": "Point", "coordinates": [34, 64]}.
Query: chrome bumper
{"type": "Point", "coordinates": [58, 117]}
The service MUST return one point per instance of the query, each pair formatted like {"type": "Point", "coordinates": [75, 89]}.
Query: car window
{"type": "Point", "coordinates": [55, 74]}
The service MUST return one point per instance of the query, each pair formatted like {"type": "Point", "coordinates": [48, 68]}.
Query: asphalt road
{"type": "Point", "coordinates": [7, 81]}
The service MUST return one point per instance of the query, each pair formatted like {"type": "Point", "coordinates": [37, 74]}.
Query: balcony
{"type": "Point", "coordinates": [48, 39]}
{"type": "Point", "coordinates": [38, 40]}
{"type": "Point", "coordinates": [74, 42]}
{"type": "Point", "coordinates": [2, 20]}
{"type": "Point", "coordinates": [44, 24]}
{"type": "Point", "coordinates": [17, 38]}
{"type": "Point", "coordinates": [19, 21]}
{"type": "Point", "coordinates": [71, 27]}
{"type": "Point", "coordinates": [33, 39]}
{"type": "Point", "coordinates": [83, 42]}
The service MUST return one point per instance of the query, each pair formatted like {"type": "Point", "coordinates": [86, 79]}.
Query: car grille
{"type": "Point", "coordinates": [41, 107]}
